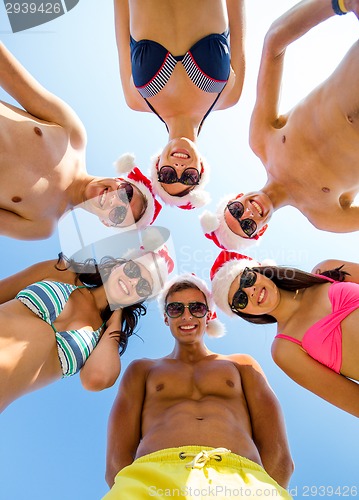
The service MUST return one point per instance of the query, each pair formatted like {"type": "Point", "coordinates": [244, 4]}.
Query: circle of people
{"type": "Point", "coordinates": [192, 410]}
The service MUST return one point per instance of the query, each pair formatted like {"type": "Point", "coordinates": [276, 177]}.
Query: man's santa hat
{"type": "Point", "coordinates": [215, 228]}
{"type": "Point", "coordinates": [226, 267]}
{"type": "Point", "coordinates": [214, 327]}
{"type": "Point", "coordinates": [126, 165]}
{"type": "Point", "coordinates": [196, 198]}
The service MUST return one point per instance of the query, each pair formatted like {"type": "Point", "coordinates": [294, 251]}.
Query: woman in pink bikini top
{"type": "Point", "coordinates": [317, 343]}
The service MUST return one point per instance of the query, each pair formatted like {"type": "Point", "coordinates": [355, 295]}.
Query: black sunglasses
{"type": "Point", "coordinates": [168, 175]}
{"type": "Point", "coordinates": [133, 270]}
{"type": "Point", "coordinates": [196, 309]}
{"type": "Point", "coordinates": [240, 298]}
{"type": "Point", "coordinates": [125, 193]}
{"type": "Point", "coordinates": [236, 209]}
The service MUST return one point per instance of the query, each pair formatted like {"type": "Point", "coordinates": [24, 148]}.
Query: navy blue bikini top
{"type": "Point", "coordinates": [207, 63]}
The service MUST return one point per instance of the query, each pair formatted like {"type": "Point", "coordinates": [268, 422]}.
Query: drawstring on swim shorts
{"type": "Point", "coordinates": [200, 459]}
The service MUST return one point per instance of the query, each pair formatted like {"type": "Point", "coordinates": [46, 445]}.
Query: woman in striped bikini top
{"type": "Point", "coordinates": [177, 62]}
{"type": "Point", "coordinates": [58, 318]}
{"type": "Point", "coordinates": [317, 341]}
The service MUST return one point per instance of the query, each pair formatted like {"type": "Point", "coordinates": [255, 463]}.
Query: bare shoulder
{"type": "Point", "coordinates": [243, 360]}
{"type": "Point", "coordinates": [140, 366]}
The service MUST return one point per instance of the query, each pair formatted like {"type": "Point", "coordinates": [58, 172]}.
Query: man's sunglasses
{"type": "Point", "coordinates": [240, 298]}
{"type": "Point", "coordinates": [236, 209]}
{"type": "Point", "coordinates": [196, 309]}
{"type": "Point", "coordinates": [168, 175]}
{"type": "Point", "coordinates": [125, 193]}
{"type": "Point", "coordinates": [133, 270]}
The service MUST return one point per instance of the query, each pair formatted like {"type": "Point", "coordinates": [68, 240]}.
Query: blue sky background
{"type": "Point", "coordinates": [53, 442]}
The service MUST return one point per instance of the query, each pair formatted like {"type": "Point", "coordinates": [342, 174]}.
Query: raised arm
{"type": "Point", "coordinates": [124, 426]}
{"type": "Point", "coordinates": [267, 420]}
{"type": "Point", "coordinates": [342, 219]}
{"type": "Point", "coordinates": [35, 99]}
{"type": "Point", "coordinates": [122, 28]}
{"type": "Point", "coordinates": [16, 226]}
{"type": "Point", "coordinates": [11, 285]}
{"type": "Point", "coordinates": [284, 31]}
{"type": "Point", "coordinates": [317, 378]}
{"type": "Point", "coordinates": [103, 366]}
{"type": "Point", "coordinates": [233, 89]}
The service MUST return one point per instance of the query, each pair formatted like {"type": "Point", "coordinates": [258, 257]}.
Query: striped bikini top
{"type": "Point", "coordinates": [207, 64]}
{"type": "Point", "coordinates": [47, 300]}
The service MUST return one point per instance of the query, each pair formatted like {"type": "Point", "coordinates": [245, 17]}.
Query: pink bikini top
{"type": "Point", "coordinates": [323, 340]}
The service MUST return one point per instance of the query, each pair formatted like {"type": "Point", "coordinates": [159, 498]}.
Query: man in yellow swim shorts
{"type": "Point", "coordinates": [195, 424]}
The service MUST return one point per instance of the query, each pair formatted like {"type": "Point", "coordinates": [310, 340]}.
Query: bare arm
{"type": "Point", "coordinates": [352, 268]}
{"type": "Point", "coordinates": [35, 99]}
{"type": "Point", "coordinates": [285, 30]}
{"type": "Point", "coordinates": [317, 378]}
{"type": "Point", "coordinates": [267, 420]}
{"type": "Point", "coordinates": [122, 28]}
{"type": "Point", "coordinates": [11, 285]}
{"type": "Point", "coordinates": [341, 220]}
{"type": "Point", "coordinates": [233, 90]}
{"type": "Point", "coordinates": [15, 226]}
{"type": "Point", "coordinates": [103, 366]}
{"type": "Point", "coordinates": [124, 426]}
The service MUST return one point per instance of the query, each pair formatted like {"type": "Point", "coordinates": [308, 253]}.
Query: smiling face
{"type": "Point", "coordinates": [263, 296]}
{"type": "Point", "coordinates": [108, 199]}
{"type": "Point", "coordinates": [187, 328]}
{"type": "Point", "coordinates": [257, 208]}
{"type": "Point", "coordinates": [180, 154]}
{"type": "Point", "coordinates": [123, 289]}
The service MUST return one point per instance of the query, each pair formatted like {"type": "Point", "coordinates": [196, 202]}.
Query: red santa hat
{"type": "Point", "coordinates": [126, 165]}
{"type": "Point", "coordinates": [215, 228]}
{"type": "Point", "coordinates": [196, 198]}
{"type": "Point", "coordinates": [225, 269]}
{"type": "Point", "coordinates": [214, 327]}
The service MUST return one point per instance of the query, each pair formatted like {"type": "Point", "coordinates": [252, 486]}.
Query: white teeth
{"type": "Point", "coordinates": [257, 207]}
{"type": "Point", "coordinates": [180, 155]}
{"type": "Point", "coordinates": [261, 296]}
{"type": "Point", "coordinates": [123, 286]}
{"type": "Point", "coordinates": [187, 327]}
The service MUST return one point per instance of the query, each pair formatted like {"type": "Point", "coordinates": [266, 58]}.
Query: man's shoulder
{"type": "Point", "coordinates": [240, 358]}
{"type": "Point", "coordinates": [143, 364]}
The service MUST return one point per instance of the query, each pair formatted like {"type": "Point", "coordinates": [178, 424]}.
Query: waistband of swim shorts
{"type": "Point", "coordinates": [175, 455]}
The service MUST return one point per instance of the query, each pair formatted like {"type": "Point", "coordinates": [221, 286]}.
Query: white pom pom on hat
{"type": "Point", "coordinates": [126, 165]}
{"type": "Point", "coordinates": [214, 328]}
{"type": "Point", "coordinates": [194, 199]}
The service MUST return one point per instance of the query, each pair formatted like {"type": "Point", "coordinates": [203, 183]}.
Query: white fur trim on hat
{"type": "Point", "coordinates": [223, 279]}
{"type": "Point", "coordinates": [214, 327]}
{"type": "Point", "coordinates": [124, 165]}
{"type": "Point", "coordinates": [216, 223]}
{"type": "Point", "coordinates": [196, 198]}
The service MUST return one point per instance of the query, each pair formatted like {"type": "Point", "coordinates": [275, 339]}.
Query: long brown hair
{"type": "Point", "coordinates": [94, 275]}
{"type": "Point", "coordinates": [285, 278]}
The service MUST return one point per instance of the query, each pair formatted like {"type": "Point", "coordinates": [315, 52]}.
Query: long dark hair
{"type": "Point", "coordinates": [291, 279]}
{"type": "Point", "coordinates": [94, 275]}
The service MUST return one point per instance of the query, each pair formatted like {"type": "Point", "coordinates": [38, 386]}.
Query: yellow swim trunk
{"type": "Point", "coordinates": [194, 473]}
